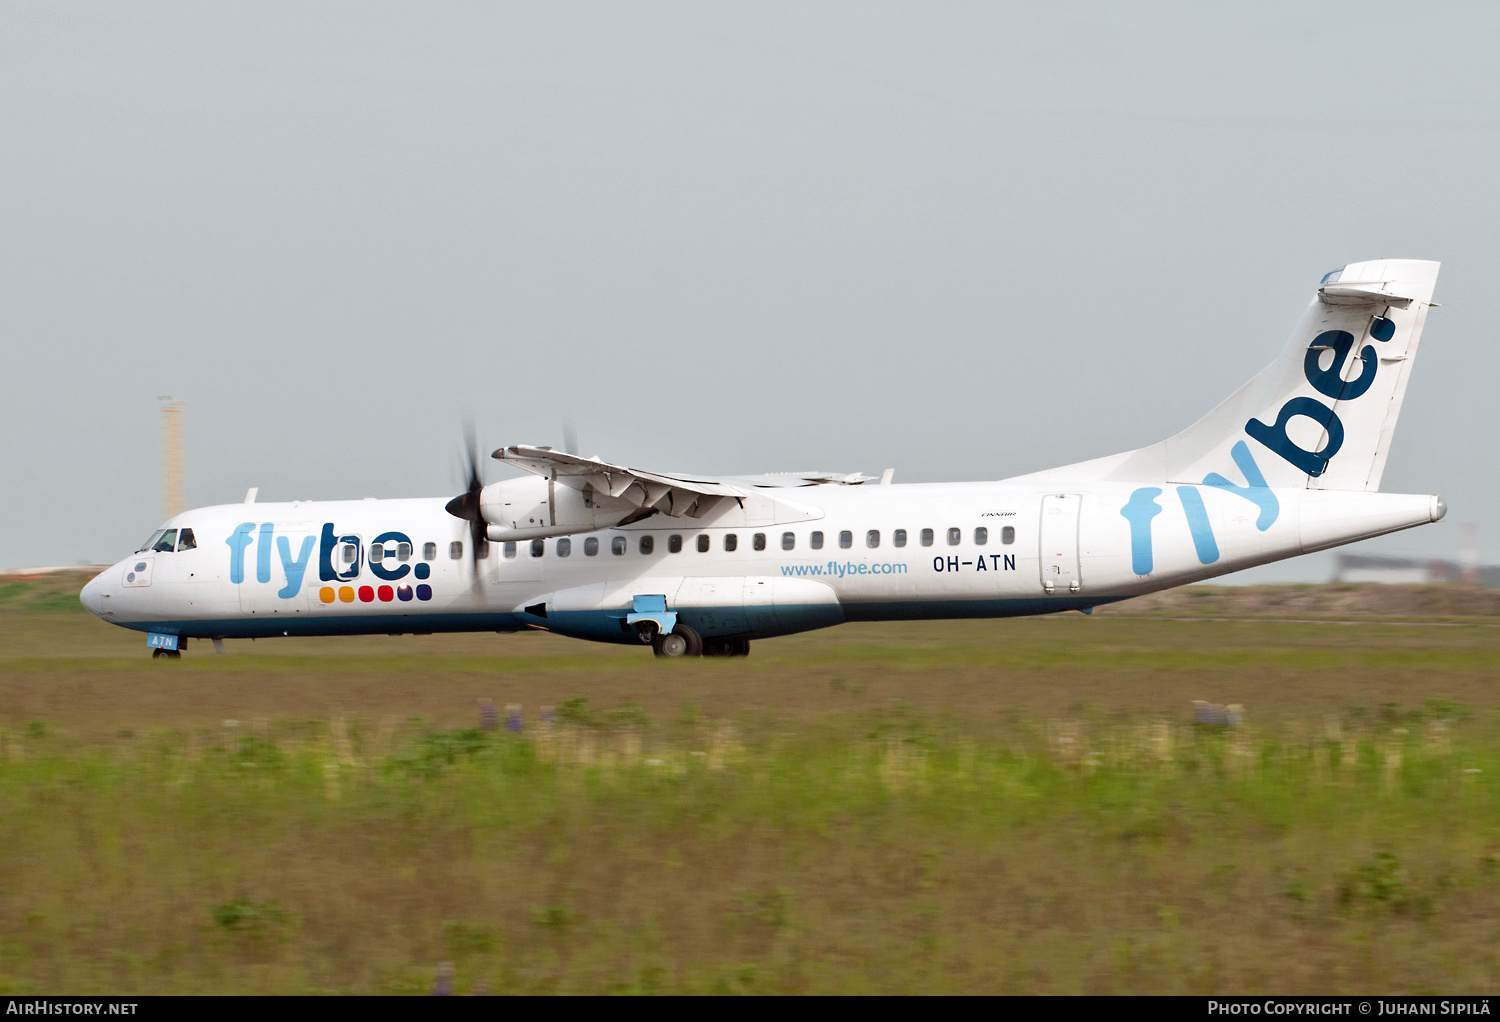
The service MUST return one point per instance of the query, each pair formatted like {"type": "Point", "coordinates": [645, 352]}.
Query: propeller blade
{"type": "Point", "coordinates": [466, 504]}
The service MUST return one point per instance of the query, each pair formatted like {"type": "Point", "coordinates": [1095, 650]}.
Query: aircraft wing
{"type": "Point", "coordinates": [651, 492]}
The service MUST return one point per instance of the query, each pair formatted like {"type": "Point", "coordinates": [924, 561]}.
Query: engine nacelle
{"type": "Point", "coordinates": [536, 507]}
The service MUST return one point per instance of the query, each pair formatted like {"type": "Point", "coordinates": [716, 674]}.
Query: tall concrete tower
{"type": "Point", "coordinates": [171, 457]}
{"type": "Point", "coordinates": [1468, 555]}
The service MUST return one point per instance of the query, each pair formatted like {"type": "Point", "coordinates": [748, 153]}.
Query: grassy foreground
{"type": "Point", "coordinates": [954, 806]}
{"type": "Point", "coordinates": [883, 854]}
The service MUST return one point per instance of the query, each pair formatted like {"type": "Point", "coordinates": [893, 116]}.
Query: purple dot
{"type": "Point", "coordinates": [424, 592]}
{"type": "Point", "coordinates": [403, 593]}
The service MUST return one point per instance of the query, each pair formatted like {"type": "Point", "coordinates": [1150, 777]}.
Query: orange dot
{"type": "Point", "coordinates": [346, 593]}
{"type": "Point", "coordinates": [327, 595]}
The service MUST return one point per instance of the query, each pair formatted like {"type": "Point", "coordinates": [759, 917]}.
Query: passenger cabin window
{"type": "Point", "coordinates": [846, 539]}
{"type": "Point", "coordinates": [674, 543]}
{"type": "Point", "coordinates": [168, 541]}
{"type": "Point", "coordinates": [927, 537]}
{"type": "Point", "coordinates": [981, 536]}
{"type": "Point", "coordinates": [703, 544]}
{"type": "Point", "coordinates": [349, 553]}
{"type": "Point", "coordinates": [509, 549]}
{"type": "Point", "coordinates": [815, 541]}
{"type": "Point", "coordinates": [150, 544]}
{"type": "Point", "coordinates": [617, 546]}
{"type": "Point", "coordinates": [759, 541]}
{"type": "Point", "coordinates": [788, 540]}
{"type": "Point", "coordinates": [648, 544]}
{"type": "Point", "coordinates": [185, 540]}
{"type": "Point", "coordinates": [1008, 535]}
{"type": "Point", "coordinates": [899, 537]}
{"type": "Point", "coordinates": [955, 536]}
{"type": "Point", "coordinates": [429, 551]}
{"type": "Point", "coordinates": [731, 543]}
{"type": "Point", "coordinates": [377, 552]}
{"type": "Point", "coordinates": [403, 551]}
{"type": "Point", "coordinates": [872, 538]}
{"type": "Point", "coordinates": [591, 546]}
{"type": "Point", "coordinates": [482, 549]}
{"type": "Point", "coordinates": [564, 547]}
{"type": "Point", "coordinates": [455, 551]}
{"type": "Point", "coordinates": [538, 547]}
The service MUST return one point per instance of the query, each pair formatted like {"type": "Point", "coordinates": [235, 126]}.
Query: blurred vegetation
{"type": "Point", "coordinates": [55, 591]}
{"type": "Point", "coordinates": [888, 851]}
{"type": "Point", "coordinates": [966, 806]}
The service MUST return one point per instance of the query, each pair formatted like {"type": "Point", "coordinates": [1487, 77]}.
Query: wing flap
{"type": "Point", "coordinates": [650, 492]}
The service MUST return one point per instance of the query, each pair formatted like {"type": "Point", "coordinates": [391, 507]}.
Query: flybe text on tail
{"type": "Point", "coordinates": [1328, 381]}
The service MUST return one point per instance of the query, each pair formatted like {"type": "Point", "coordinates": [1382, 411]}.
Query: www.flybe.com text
{"type": "Point", "coordinates": [838, 569]}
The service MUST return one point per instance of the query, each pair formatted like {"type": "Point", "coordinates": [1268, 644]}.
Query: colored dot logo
{"type": "Point", "coordinates": [370, 594]}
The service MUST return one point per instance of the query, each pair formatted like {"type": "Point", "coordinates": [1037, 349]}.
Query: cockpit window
{"type": "Point", "coordinates": [185, 540]}
{"type": "Point", "coordinates": [167, 543]}
{"type": "Point", "coordinates": [150, 544]}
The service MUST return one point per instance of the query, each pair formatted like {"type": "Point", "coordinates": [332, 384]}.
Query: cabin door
{"type": "Point", "coordinates": [1059, 543]}
{"type": "Point", "coordinates": [279, 567]}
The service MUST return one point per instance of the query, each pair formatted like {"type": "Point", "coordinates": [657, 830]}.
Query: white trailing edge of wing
{"type": "Point", "coordinates": [568, 494]}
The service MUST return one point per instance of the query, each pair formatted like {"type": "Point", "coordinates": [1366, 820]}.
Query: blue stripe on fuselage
{"type": "Point", "coordinates": [604, 626]}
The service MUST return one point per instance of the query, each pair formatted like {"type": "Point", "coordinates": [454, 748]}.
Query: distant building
{"type": "Point", "coordinates": [1407, 570]}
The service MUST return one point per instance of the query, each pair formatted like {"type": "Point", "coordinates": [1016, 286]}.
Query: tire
{"type": "Point", "coordinates": [694, 640]}
{"type": "Point", "coordinates": [741, 647]}
{"type": "Point", "coordinates": [718, 647]}
{"type": "Point", "coordinates": [672, 646]}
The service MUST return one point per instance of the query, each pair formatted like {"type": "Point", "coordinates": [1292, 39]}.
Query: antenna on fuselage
{"type": "Point", "coordinates": [171, 457]}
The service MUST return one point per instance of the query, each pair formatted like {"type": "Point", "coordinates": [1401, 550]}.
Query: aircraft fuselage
{"type": "Point", "coordinates": [788, 560]}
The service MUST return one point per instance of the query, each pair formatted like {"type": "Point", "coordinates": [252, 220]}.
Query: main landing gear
{"type": "Point", "coordinates": [170, 654]}
{"type": "Point", "coordinates": [684, 641]}
{"type": "Point", "coordinates": [726, 647]}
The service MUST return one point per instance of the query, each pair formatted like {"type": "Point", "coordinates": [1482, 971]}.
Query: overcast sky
{"type": "Point", "coordinates": [966, 241]}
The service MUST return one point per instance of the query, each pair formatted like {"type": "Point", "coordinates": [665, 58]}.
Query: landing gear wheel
{"type": "Point", "coordinates": [671, 646]}
{"type": "Point", "coordinates": [170, 654]}
{"type": "Point", "coordinates": [718, 647]}
{"type": "Point", "coordinates": [683, 640]}
{"type": "Point", "coordinates": [741, 647]}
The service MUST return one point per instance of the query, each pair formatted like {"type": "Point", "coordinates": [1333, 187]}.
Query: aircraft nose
{"type": "Point", "coordinates": [92, 596]}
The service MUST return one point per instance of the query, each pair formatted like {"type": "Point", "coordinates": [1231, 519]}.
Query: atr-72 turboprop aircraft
{"type": "Point", "coordinates": [1289, 464]}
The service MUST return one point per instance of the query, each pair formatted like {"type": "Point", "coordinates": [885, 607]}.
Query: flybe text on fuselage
{"type": "Point", "coordinates": [331, 566]}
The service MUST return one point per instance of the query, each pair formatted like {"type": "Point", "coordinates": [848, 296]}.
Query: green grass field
{"type": "Point", "coordinates": [1015, 806]}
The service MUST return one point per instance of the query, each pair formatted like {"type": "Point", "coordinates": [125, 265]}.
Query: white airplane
{"type": "Point", "coordinates": [1288, 464]}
